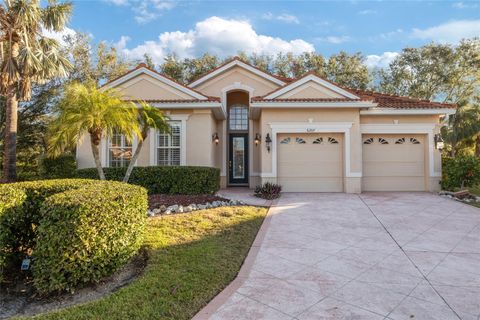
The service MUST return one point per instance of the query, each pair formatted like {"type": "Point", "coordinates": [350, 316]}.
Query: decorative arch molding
{"type": "Point", "coordinates": [236, 86]}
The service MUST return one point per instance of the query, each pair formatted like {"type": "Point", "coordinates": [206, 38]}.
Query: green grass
{"type": "Point", "coordinates": [476, 191]}
{"type": "Point", "coordinates": [192, 258]}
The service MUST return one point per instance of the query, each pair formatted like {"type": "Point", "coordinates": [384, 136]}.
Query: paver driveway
{"type": "Point", "coordinates": [369, 256]}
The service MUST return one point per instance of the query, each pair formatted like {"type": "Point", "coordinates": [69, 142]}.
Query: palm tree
{"type": "Point", "coordinates": [148, 118]}
{"type": "Point", "coordinates": [85, 109]}
{"type": "Point", "coordinates": [27, 57]}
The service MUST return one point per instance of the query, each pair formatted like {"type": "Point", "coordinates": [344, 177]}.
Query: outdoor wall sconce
{"type": "Point", "coordinates": [215, 138]}
{"type": "Point", "coordinates": [268, 142]}
{"type": "Point", "coordinates": [257, 140]}
{"type": "Point", "coordinates": [438, 141]}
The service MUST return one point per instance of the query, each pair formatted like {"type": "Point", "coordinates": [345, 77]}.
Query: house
{"type": "Point", "coordinates": [307, 134]}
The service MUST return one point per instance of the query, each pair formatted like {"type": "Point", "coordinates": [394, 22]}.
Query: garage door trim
{"type": "Point", "coordinates": [407, 128]}
{"type": "Point", "coordinates": [311, 127]}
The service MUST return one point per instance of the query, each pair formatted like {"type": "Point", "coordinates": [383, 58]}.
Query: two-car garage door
{"type": "Point", "coordinates": [308, 162]}
{"type": "Point", "coordinates": [393, 163]}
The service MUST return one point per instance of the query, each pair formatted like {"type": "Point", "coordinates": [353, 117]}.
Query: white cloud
{"type": "Point", "coordinates": [284, 17]}
{"type": "Point", "coordinates": [335, 39]}
{"type": "Point", "coordinates": [59, 36]}
{"type": "Point", "coordinates": [374, 61]}
{"type": "Point", "coordinates": [449, 32]}
{"type": "Point", "coordinates": [367, 11]}
{"type": "Point", "coordinates": [215, 35]}
{"type": "Point", "coordinates": [463, 5]}
{"type": "Point", "coordinates": [145, 10]}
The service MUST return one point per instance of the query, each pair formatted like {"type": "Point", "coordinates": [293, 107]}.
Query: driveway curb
{"type": "Point", "coordinates": [242, 275]}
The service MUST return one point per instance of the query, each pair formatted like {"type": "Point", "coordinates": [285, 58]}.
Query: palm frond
{"type": "Point", "coordinates": [56, 15]}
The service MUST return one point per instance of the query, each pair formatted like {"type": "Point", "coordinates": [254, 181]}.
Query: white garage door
{"type": "Point", "coordinates": [310, 162]}
{"type": "Point", "coordinates": [393, 163]}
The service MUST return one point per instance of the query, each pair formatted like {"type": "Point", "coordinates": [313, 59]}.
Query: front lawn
{"type": "Point", "coordinates": [192, 258]}
{"type": "Point", "coordinates": [475, 191]}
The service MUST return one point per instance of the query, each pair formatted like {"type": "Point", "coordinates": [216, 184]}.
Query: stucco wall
{"type": "Point", "coordinates": [147, 87]}
{"type": "Point", "coordinates": [310, 90]}
{"type": "Point", "coordinates": [214, 86]}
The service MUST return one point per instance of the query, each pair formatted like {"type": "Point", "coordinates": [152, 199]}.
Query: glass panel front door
{"type": "Point", "coordinates": [238, 159]}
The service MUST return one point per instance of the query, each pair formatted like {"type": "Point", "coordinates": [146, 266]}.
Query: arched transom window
{"type": "Point", "coordinates": [238, 117]}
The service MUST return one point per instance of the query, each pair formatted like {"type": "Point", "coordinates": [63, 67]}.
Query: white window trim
{"type": "Point", "coordinates": [313, 127]}
{"type": "Point", "coordinates": [183, 140]}
{"type": "Point", "coordinates": [104, 150]}
{"type": "Point", "coordinates": [408, 128]}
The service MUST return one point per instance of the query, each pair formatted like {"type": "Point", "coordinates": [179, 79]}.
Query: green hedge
{"type": "Point", "coordinates": [165, 179]}
{"type": "Point", "coordinates": [61, 167]}
{"type": "Point", "coordinates": [23, 213]}
{"type": "Point", "coordinates": [460, 171]}
{"type": "Point", "coordinates": [86, 236]}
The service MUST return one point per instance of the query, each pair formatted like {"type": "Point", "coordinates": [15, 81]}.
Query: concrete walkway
{"type": "Point", "coordinates": [369, 256]}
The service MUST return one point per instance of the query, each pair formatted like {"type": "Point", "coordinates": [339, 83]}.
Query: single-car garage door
{"type": "Point", "coordinates": [393, 163]}
{"type": "Point", "coordinates": [310, 162]}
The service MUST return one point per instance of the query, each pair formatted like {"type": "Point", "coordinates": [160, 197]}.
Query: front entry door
{"type": "Point", "coordinates": [238, 158]}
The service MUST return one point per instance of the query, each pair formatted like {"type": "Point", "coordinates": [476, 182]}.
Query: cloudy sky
{"type": "Point", "coordinates": [379, 29]}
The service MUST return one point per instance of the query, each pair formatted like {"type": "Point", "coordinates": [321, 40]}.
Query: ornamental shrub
{"type": "Point", "coordinates": [85, 236]}
{"type": "Point", "coordinates": [18, 225]}
{"type": "Point", "coordinates": [460, 171]}
{"type": "Point", "coordinates": [268, 191]}
{"type": "Point", "coordinates": [165, 179]}
{"type": "Point", "coordinates": [61, 167]}
{"type": "Point", "coordinates": [23, 214]}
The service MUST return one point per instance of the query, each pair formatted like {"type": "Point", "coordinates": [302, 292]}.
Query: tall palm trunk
{"type": "Point", "coordinates": [10, 146]}
{"type": "Point", "coordinates": [95, 143]}
{"type": "Point", "coordinates": [132, 162]}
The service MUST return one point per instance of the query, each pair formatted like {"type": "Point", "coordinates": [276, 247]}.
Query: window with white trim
{"type": "Point", "coordinates": [169, 145]}
{"type": "Point", "coordinates": [120, 151]}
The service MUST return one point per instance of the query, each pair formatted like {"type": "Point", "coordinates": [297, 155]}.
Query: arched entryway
{"type": "Point", "coordinates": [238, 137]}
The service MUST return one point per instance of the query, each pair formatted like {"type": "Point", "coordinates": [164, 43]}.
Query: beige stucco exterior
{"type": "Point", "coordinates": [347, 166]}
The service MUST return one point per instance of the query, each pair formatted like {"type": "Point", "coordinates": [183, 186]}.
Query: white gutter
{"type": "Point", "coordinates": [391, 111]}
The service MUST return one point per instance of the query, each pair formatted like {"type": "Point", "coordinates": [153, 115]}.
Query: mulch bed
{"type": "Point", "coordinates": [157, 200]}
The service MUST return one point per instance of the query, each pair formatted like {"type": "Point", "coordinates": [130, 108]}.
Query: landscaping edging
{"type": "Point", "coordinates": [192, 207]}
{"type": "Point", "coordinates": [462, 196]}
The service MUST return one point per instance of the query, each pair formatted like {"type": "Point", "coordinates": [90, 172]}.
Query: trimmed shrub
{"type": "Point", "coordinates": [85, 236]}
{"type": "Point", "coordinates": [11, 200]}
{"type": "Point", "coordinates": [461, 171]}
{"type": "Point", "coordinates": [22, 215]}
{"type": "Point", "coordinates": [19, 223]}
{"type": "Point", "coordinates": [63, 166]}
{"type": "Point", "coordinates": [165, 179]}
{"type": "Point", "coordinates": [268, 191]}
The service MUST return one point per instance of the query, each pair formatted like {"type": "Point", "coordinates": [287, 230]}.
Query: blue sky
{"type": "Point", "coordinates": [379, 29]}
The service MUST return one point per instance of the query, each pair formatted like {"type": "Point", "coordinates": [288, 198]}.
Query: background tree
{"type": "Point", "coordinates": [348, 70]}
{"type": "Point", "coordinates": [27, 57]}
{"type": "Point", "coordinates": [438, 72]}
{"type": "Point", "coordinates": [148, 118]}
{"type": "Point", "coordinates": [86, 110]}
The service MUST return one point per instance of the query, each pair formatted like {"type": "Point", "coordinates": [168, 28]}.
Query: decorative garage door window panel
{"type": "Point", "coordinates": [396, 141]}
{"type": "Point", "coordinates": [318, 140]}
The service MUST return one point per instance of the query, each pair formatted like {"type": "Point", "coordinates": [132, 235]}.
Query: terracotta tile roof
{"type": "Point", "coordinates": [261, 99]}
{"type": "Point", "coordinates": [143, 65]}
{"type": "Point", "coordinates": [399, 102]}
{"type": "Point", "coordinates": [210, 99]}
{"type": "Point", "coordinates": [383, 100]}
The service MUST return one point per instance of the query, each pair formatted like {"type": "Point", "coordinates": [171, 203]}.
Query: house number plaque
{"type": "Point", "coordinates": [310, 129]}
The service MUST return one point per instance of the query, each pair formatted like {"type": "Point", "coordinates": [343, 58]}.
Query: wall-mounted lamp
{"type": "Point", "coordinates": [268, 142]}
{"type": "Point", "coordinates": [215, 138]}
{"type": "Point", "coordinates": [258, 139]}
{"type": "Point", "coordinates": [438, 141]}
